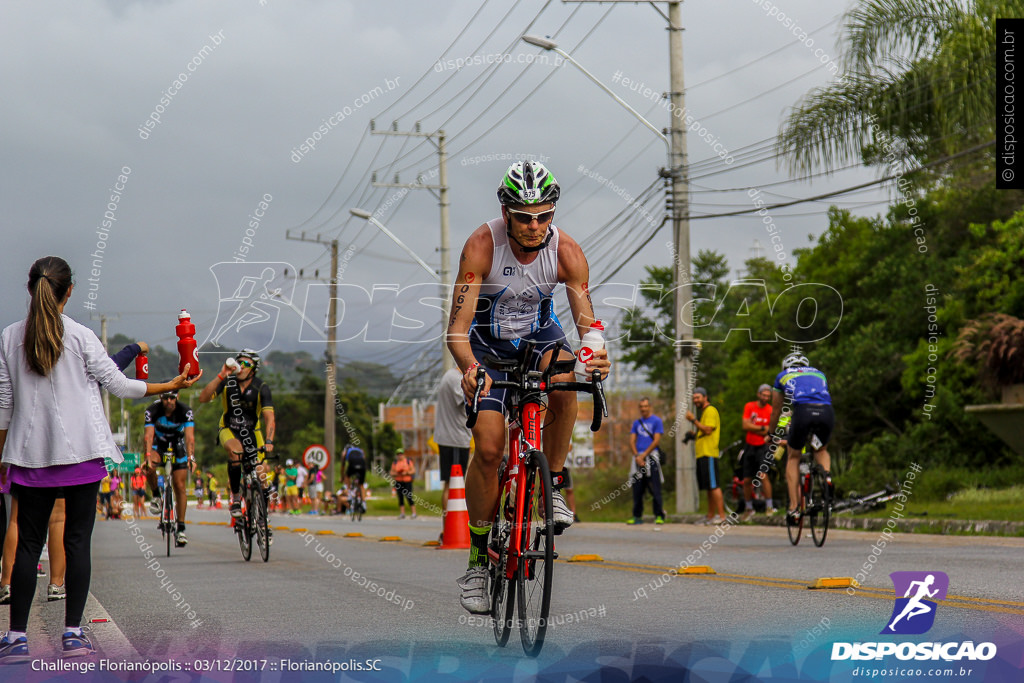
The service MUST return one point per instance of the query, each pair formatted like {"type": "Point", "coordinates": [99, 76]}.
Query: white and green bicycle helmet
{"type": "Point", "coordinates": [528, 182]}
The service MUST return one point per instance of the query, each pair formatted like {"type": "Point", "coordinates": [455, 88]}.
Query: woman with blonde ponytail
{"type": "Point", "coordinates": [53, 439]}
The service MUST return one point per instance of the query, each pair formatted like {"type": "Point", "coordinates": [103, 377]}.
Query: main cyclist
{"type": "Point", "coordinates": [248, 410]}
{"type": "Point", "coordinates": [170, 428]}
{"type": "Point", "coordinates": [807, 389]}
{"type": "Point", "coordinates": [508, 272]}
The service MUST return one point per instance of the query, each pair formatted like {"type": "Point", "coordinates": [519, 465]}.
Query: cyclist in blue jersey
{"type": "Point", "coordinates": [806, 389]}
{"type": "Point", "coordinates": [354, 461]}
{"type": "Point", "coordinates": [170, 428]}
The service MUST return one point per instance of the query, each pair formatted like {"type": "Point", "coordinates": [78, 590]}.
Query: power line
{"type": "Point", "coordinates": [762, 57]}
{"type": "Point", "coordinates": [446, 50]}
{"type": "Point", "coordinates": [887, 178]}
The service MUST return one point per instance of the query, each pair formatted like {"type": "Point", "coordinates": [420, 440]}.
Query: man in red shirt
{"type": "Point", "coordinates": [757, 453]}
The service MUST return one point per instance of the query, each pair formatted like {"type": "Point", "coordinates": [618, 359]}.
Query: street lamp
{"type": "Point", "coordinates": [366, 215]}
{"type": "Point", "coordinates": [686, 492]}
{"type": "Point", "coordinates": [551, 45]}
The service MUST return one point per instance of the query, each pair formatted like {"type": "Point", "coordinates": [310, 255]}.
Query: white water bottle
{"type": "Point", "coordinates": [592, 342]}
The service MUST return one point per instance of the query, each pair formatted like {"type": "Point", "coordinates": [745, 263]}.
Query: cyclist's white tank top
{"type": "Point", "coordinates": [520, 294]}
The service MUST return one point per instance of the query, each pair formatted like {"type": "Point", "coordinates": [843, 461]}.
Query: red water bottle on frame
{"type": "Point", "coordinates": [142, 366]}
{"type": "Point", "coordinates": [188, 352]}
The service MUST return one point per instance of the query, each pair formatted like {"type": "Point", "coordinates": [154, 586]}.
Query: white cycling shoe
{"type": "Point", "coordinates": [562, 516]}
{"type": "Point", "coordinates": [474, 596]}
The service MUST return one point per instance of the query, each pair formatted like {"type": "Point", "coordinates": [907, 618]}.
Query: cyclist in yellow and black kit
{"type": "Point", "coordinates": [248, 413]}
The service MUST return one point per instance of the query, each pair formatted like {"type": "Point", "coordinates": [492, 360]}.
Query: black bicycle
{"type": "Point", "coordinates": [814, 499]}
{"type": "Point", "coordinates": [254, 522]}
{"type": "Point", "coordinates": [855, 503]}
{"type": "Point", "coordinates": [356, 504]}
{"type": "Point", "coordinates": [168, 520]}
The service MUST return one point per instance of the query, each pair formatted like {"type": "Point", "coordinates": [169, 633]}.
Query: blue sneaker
{"type": "Point", "coordinates": [14, 652]}
{"type": "Point", "coordinates": [76, 646]}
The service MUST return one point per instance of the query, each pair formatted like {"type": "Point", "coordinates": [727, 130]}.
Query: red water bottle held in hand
{"type": "Point", "coordinates": [142, 366]}
{"type": "Point", "coordinates": [188, 352]}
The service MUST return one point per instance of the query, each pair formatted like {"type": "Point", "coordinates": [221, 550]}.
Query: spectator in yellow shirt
{"type": "Point", "coordinates": [707, 429]}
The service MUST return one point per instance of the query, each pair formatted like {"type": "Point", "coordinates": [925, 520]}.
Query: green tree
{"type": "Point", "coordinates": [916, 83]}
{"type": "Point", "coordinates": [650, 328]}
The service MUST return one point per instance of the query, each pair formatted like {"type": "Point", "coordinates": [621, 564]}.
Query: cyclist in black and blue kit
{"type": "Point", "coordinates": [170, 429]}
{"type": "Point", "coordinates": [355, 470]}
{"type": "Point", "coordinates": [355, 465]}
{"type": "Point", "coordinates": [807, 389]}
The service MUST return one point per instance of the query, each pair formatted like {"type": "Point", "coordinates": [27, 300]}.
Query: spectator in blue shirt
{"type": "Point", "coordinates": [645, 469]}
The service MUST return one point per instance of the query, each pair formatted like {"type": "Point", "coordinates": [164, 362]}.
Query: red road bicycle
{"type": "Point", "coordinates": [521, 547]}
{"type": "Point", "coordinates": [814, 498]}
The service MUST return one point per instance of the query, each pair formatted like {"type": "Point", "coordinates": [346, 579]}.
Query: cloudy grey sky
{"type": "Point", "coordinates": [82, 77]}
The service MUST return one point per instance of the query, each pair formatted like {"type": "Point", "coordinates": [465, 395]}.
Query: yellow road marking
{"type": "Point", "coordinates": [964, 602]}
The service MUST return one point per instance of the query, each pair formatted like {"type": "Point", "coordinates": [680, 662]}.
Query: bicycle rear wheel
{"type": "Point", "coordinates": [502, 590]}
{"type": "Point", "coordinates": [259, 518]}
{"type": "Point", "coordinates": [795, 529]}
{"type": "Point", "coordinates": [537, 557]}
{"type": "Point", "coordinates": [822, 512]}
{"type": "Point", "coordinates": [243, 527]}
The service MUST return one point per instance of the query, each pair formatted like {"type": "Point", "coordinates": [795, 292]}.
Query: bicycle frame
{"type": "Point", "coordinates": [523, 436]}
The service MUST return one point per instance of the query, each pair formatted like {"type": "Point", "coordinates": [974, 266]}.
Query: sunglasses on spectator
{"type": "Point", "coordinates": [525, 217]}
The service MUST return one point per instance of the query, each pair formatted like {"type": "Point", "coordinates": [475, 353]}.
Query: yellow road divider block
{"type": "Point", "coordinates": [431, 543]}
{"type": "Point", "coordinates": [835, 582]}
{"type": "Point", "coordinates": [282, 528]}
{"type": "Point", "coordinates": [697, 569]}
{"type": "Point", "coordinates": [586, 558]}
{"type": "Point", "coordinates": [325, 532]}
{"type": "Point", "coordinates": [353, 534]}
{"type": "Point", "coordinates": [299, 530]}
{"type": "Point", "coordinates": [391, 538]}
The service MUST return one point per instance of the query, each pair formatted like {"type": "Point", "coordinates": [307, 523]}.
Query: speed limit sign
{"type": "Point", "coordinates": [316, 455]}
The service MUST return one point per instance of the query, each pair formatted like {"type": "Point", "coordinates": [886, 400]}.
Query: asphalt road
{"type": "Point", "coordinates": [309, 602]}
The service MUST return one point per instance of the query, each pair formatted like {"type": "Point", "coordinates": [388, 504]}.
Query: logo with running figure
{"type": "Point", "coordinates": [914, 613]}
{"type": "Point", "coordinates": [250, 297]}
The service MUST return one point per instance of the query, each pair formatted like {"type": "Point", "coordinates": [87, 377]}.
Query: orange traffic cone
{"type": "Point", "coordinates": [456, 518]}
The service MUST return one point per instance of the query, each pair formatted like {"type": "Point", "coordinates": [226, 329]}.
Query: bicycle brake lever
{"type": "Point", "coordinates": [599, 390]}
{"type": "Point", "coordinates": [602, 409]}
{"type": "Point", "coordinates": [474, 410]}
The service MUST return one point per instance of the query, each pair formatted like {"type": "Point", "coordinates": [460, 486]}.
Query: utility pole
{"type": "Point", "coordinates": [331, 389]}
{"type": "Point", "coordinates": [678, 176]}
{"type": "Point", "coordinates": [103, 318]}
{"type": "Point", "coordinates": [447, 362]}
{"type": "Point", "coordinates": [686, 475]}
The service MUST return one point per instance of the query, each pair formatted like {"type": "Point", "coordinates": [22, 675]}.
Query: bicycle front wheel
{"type": "Point", "coordinates": [502, 590]}
{"type": "Point", "coordinates": [167, 520]}
{"type": "Point", "coordinates": [537, 554]}
{"type": "Point", "coordinates": [243, 527]}
{"type": "Point", "coordinates": [259, 520]}
{"type": "Point", "coordinates": [822, 512]}
{"type": "Point", "coordinates": [795, 529]}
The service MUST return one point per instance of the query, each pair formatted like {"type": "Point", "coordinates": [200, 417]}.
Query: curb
{"type": "Point", "coordinates": [908, 525]}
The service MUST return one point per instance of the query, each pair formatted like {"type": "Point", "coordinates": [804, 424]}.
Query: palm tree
{"type": "Point", "coordinates": [995, 341]}
{"type": "Point", "coordinates": [917, 83]}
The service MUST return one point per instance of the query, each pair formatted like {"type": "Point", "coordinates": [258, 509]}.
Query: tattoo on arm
{"type": "Point", "coordinates": [455, 313]}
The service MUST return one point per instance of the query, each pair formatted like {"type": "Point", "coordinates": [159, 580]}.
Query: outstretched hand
{"type": "Point", "coordinates": [182, 381]}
